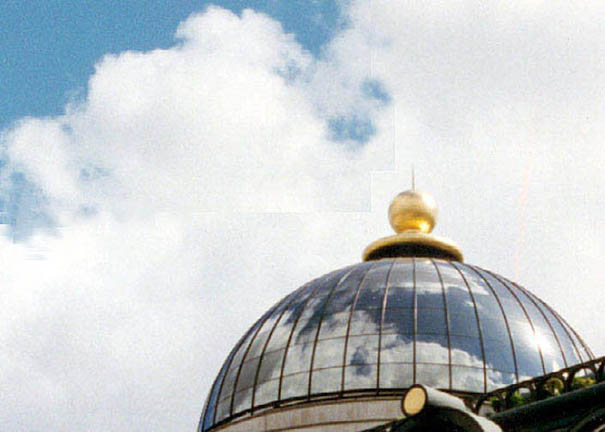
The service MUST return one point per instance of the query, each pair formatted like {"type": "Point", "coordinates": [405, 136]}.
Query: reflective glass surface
{"type": "Point", "coordinates": [387, 324]}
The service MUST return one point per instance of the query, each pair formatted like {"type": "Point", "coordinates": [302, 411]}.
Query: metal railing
{"type": "Point", "coordinates": [557, 383]}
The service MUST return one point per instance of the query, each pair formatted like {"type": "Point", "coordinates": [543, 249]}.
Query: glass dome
{"type": "Point", "coordinates": [379, 327]}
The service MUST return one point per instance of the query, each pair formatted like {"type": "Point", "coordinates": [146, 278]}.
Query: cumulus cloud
{"type": "Point", "coordinates": [196, 185]}
{"type": "Point", "coordinates": [173, 186]}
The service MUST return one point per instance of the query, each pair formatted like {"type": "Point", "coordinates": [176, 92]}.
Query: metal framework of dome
{"type": "Point", "coordinates": [378, 327]}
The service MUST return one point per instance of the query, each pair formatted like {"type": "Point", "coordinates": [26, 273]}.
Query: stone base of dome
{"type": "Point", "coordinates": [333, 416]}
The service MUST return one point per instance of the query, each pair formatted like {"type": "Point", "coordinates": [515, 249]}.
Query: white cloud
{"type": "Point", "coordinates": [120, 319]}
{"type": "Point", "coordinates": [499, 107]}
{"type": "Point", "coordinates": [215, 191]}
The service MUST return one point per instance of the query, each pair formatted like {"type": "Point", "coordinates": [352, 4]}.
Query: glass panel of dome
{"type": "Point", "coordinates": [460, 305]}
{"type": "Point", "coordinates": [495, 328]}
{"type": "Point", "coordinates": [247, 374]}
{"type": "Point", "coordinates": [523, 334]}
{"type": "Point", "coordinates": [257, 344]}
{"type": "Point", "coordinates": [225, 387]}
{"type": "Point", "coordinates": [425, 270]}
{"type": "Point", "coordinates": [326, 380]}
{"type": "Point", "coordinates": [402, 274]}
{"type": "Point", "coordinates": [240, 354]}
{"type": "Point", "coordinates": [328, 282]}
{"type": "Point", "coordinates": [466, 351]}
{"type": "Point", "coordinates": [280, 335]}
{"type": "Point", "coordinates": [544, 337]}
{"type": "Point", "coordinates": [526, 349]}
{"type": "Point", "coordinates": [528, 358]}
{"type": "Point", "coordinates": [362, 350]}
{"type": "Point", "coordinates": [242, 400]}
{"type": "Point", "coordinates": [370, 298]}
{"type": "Point", "coordinates": [511, 306]}
{"type": "Point", "coordinates": [298, 358]}
{"type": "Point", "coordinates": [552, 356]}
{"type": "Point", "coordinates": [450, 277]}
{"type": "Point", "coordinates": [535, 316]}
{"type": "Point", "coordinates": [494, 331]}
{"type": "Point", "coordinates": [396, 348]}
{"type": "Point", "coordinates": [551, 351]}
{"type": "Point", "coordinates": [431, 321]}
{"type": "Point", "coordinates": [429, 291]}
{"type": "Point", "coordinates": [266, 392]}
{"type": "Point", "coordinates": [213, 397]}
{"type": "Point", "coordinates": [499, 355]}
{"type": "Point", "coordinates": [498, 379]}
{"type": "Point", "coordinates": [340, 301]}
{"type": "Point", "coordinates": [397, 320]}
{"type": "Point", "coordinates": [270, 366]}
{"type": "Point", "coordinates": [295, 385]}
{"type": "Point", "coordinates": [396, 375]}
{"type": "Point", "coordinates": [580, 348]}
{"type": "Point", "coordinates": [433, 375]}
{"type": "Point", "coordinates": [223, 409]}
{"type": "Point", "coordinates": [459, 300]}
{"type": "Point", "coordinates": [487, 304]}
{"type": "Point", "coordinates": [400, 297]}
{"type": "Point", "coordinates": [229, 380]}
{"type": "Point", "coordinates": [360, 377]}
{"type": "Point", "coordinates": [462, 324]}
{"type": "Point", "coordinates": [334, 325]}
{"type": "Point", "coordinates": [431, 349]}
{"type": "Point", "coordinates": [308, 322]}
{"type": "Point", "coordinates": [365, 322]}
{"type": "Point", "coordinates": [329, 353]}
{"type": "Point", "coordinates": [376, 276]}
{"type": "Point", "coordinates": [473, 279]}
{"type": "Point", "coordinates": [352, 280]}
{"type": "Point", "coordinates": [314, 307]}
{"type": "Point", "coordinates": [306, 331]}
{"type": "Point", "coordinates": [298, 304]}
{"type": "Point", "coordinates": [585, 355]}
{"type": "Point", "coordinates": [260, 339]}
{"type": "Point", "coordinates": [568, 348]}
{"type": "Point", "coordinates": [467, 379]}
{"type": "Point", "coordinates": [300, 297]}
{"type": "Point", "coordinates": [306, 325]}
{"type": "Point", "coordinates": [426, 299]}
{"type": "Point", "coordinates": [512, 309]}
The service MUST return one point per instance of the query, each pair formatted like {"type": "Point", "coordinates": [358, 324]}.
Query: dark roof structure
{"type": "Point", "coordinates": [571, 399]}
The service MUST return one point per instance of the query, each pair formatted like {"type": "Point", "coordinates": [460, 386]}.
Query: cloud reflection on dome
{"type": "Point", "coordinates": [386, 325]}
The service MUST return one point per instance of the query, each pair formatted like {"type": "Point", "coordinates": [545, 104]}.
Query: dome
{"type": "Point", "coordinates": [379, 327]}
{"type": "Point", "coordinates": [411, 313]}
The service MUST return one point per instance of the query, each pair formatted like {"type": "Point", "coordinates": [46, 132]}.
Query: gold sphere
{"type": "Point", "coordinates": [413, 210]}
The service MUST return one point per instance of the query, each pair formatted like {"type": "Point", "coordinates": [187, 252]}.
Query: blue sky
{"type": "Point", "coordinates": [48, 49]}
{"type": "Point", "coordinates": [167, 166]}
{"type": "Point", "coordinates": [48, 52]}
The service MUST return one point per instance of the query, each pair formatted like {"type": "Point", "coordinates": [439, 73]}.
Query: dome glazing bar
{"type": "Point", "coordinates": [525, 294]}
{"type": "Point", "coordinates": [508, 330]}
{"type": "Point", "coordinates": [504, 282]}
{"type": "Point", "coordinates": [348, 331]}
{"type": "Point", "coordinates": [481, 339]}
{"type": "Point", "coordinates": [316, 338]}
{"type": "Point", "coordinates": [566, 327]}
{"type": "Point", "coordinates": [266, 343]}
{"type": "Point", "coordinates": [447, 324]}
{"type": "Point", "coordinates": [382, 310]}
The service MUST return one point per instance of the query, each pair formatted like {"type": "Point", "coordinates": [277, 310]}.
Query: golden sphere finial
{"type": "Point", "coordinates": [413, 210]}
